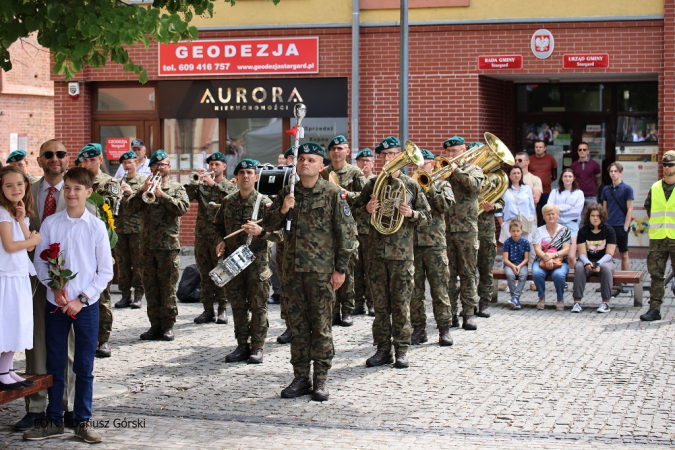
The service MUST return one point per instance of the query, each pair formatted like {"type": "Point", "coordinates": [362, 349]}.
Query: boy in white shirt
{"type": "Point", "coordinates": [84, 243]}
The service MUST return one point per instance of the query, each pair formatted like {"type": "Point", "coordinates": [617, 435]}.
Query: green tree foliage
{"type": "Point", "coordinates": [92, 32]}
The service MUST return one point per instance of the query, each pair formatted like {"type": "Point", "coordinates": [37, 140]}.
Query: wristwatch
{"type": "Point", "coordinates": [83, 299]}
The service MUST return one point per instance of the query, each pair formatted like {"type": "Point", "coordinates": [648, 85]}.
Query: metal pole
{"type": "Point", "coordinates": [355, 78]}
{"type": "Point", "coordinates": [403, 94]}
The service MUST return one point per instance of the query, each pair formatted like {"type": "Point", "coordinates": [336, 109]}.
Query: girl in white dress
{"type": "Point", "coordinates": [16, 299]}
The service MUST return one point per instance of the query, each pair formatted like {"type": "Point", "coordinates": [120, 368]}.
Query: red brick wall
{"type": "Point", "coordinates": [666, 77]}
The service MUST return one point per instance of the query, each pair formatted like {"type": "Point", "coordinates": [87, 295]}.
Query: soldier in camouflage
{"type": "Point", "coordinates": [160, 245]}
{"type": "Point", "coordinates": [351, 181]}
{"type": "Point", "coordinates": [129, 236]}
{"type": "Point", "coordinates": [362, 294]}
{"type": "Point", "coordinates": [431, 263]}
{"type": "Point", "coordinates": [487, 252]}
{"type": "Point", "coordinates": [18, 158]}
{"type": "Point", "coordinates": [248, 291]}
{"type": "Point", "coordinates": [316, 257]}
{"type": "Point", "coordinates": [91, 158]}
{"type": "Point", "coordinates": [209, 193]}
{"type": "Point", "coordinates": [462, 233]}
{"type": "Point", "coordinates": [392, 262]}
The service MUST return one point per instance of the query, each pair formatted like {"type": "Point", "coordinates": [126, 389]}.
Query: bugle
{"type": "Point", "coordinates": [149, 195]}
{"type": "Point", "coordinates": [196, 177]}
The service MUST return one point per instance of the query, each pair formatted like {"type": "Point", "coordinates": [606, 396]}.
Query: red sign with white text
{"type": "Point", "coordinates": [240, 57]}
{"type": "Point", "coordinates": [116, 147]}
{"type": "Point", "coordinates": [586, 61]}
{"type": "Point", "coordinates": [500, 62]}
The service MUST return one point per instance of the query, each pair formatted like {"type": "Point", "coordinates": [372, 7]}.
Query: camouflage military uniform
{"type": "Point", "coordinates": [487, 249]}
{"type": "Point", "coordinates": [391, 263]}
{"type": "Point", "coordinates": [206, 237]}
{"type": "Point", "coordinates": [461, 235]}
{"type": "Point", "coordinates": [362, 291]}
{"type": "Point", "coordinates": [322, 239]}
{"type": "Point", "coordinates": [352, 180]}
{"type": "Point", "coordinates": [129, 245]}
{"type": "Point", "coordinates": [160, 245]}
{"type": "Point", "coordinates": [109, 189]}
{"type": "Point", "coordinates": [248, 291]}
{"type": "Point", "coordinates": [431, 261]}
{"type": "Point", "coordinates": [660, 250]}
{"type": "Point", "coordinates": [32, 178]}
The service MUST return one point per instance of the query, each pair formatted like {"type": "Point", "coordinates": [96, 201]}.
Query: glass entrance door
{"type": "Point", "coordinates": [115, 137]}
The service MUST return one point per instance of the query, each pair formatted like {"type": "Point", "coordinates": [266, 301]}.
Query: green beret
{"type": "Point", "coordinates": [365, 153]}
{"type": "Point", "coordinates": [390, 142]}
{"type": "Point", "coordinates": [427, 154]}
{"type": "Point", "coordinates": [217, 156]}
{"type": "Point", "coordinates": [474, 144]}
{"type": "Point", "coordinates": [128, 155]}
{"type": "Point", "coordinates": [288, 152]}
{"type": "Point", "coordinates": [455, 140]}
{"type": "Point", "coordinates": [16, 156]}
{"type": "Point", "coordinates": [91, 150]}
{"type": "Point", "coordinates": [669, 156]}
{"type": "Point", "coordinates": [337, 140]}
{"type": "Point", "coordinates": [159, 155]}
{"type": "Point", "coordinates": [78, 160]}
{"type": "Point", "coordinates": [311, 148]}
{"type": "Point", "coordinates": [244, 164]}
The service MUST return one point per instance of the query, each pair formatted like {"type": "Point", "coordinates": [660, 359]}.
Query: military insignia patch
{"type": "Point", "coordinates": [343, 196]}
{"type": "Point", "coordinates": [185, 194]}
{"type": "Point", "coordinates": [114, 188]}
{"type": "Point", "coordinates": [267, 205]}
{"type": "Point", "coordinates": [346, 210]}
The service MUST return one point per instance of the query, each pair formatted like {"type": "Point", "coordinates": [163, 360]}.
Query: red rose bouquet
{"type": "Point", "coordinates": [58, 275]}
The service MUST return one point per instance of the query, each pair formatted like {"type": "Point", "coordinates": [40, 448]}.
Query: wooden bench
{"type": "Point", "coordinates": [620, 276]}
{"type": "Point", "coordinates": [41, 382]}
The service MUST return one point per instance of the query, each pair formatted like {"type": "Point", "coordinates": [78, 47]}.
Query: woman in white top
{"type": "Point", "coordinates": [517, 200]}
{"type": "Point", "coordinates": [570, 200]}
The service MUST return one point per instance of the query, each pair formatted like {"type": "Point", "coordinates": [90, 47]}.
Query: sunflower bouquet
{"type": "Point", "coordinates": [106, 215]}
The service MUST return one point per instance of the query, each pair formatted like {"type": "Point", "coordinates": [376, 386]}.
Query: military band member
{"type": "Point", "coordinates": [91, 158]}
{"type": "Point", "coordinates": [351, 181]}
{"type": "Point", "coordinates": [363, 297]}
{"type": "Point", "coordinates": [160, 246]}
{"type": "Point", "coordinates": [248, 291]}
{"type": "Point", "coordinates": [19, 159]}
{"type": "Point", "coordinates": [209, 193]}
{"type": "Point", "coordinates": [431, 263]}
{"type": "Point", "coordinates": [462, 233]}
{"type": "Point", "coordinates": [128, 228]}
{"type": "Point", "coordinates": [316, 257]}
{"type": "Point", "coordinates": [392, 263]}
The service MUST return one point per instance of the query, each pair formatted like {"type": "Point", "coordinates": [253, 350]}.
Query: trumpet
{"type": "Point", "coordinates": [149, 195]}
{"type": "Point", "coordinates": [196, 177]}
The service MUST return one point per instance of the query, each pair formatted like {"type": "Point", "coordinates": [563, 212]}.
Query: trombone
{"type": "Point", "coordinates": [196, 177]}
{"type": "Point", "coordinates": [149, 195]}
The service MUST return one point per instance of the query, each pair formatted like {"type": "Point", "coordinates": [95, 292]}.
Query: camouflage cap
{"type": "Point", "coordinates": [389, 142]}
{"type": "Point", "coordinates": [455, 140]}
{"type": "Point", "coordinates": [246, 164]}
{"type": "Point", "coordinates": [16, 156]}
{"type": "Point", "coordinates": [91, 150]}
{"type": "Point", "coordinates": [128, 155]}
{"type": "Point", "coordinates": [159, 155]}
{"type": "Point", "coordinates": [427, 154]}
{"type": "Point", "coordinates": [217, 156]}
{"type": "Point", "coordinates": [337, 140]}
{"type": "Point", "coordinates": [669, 156]}
{"type": "Point", "coordinates": [311, 148]}
{"type": "Point", "coordinates": [365, 153]}
{"type": "Point", "coordinates": [137, 143]}
{"type": "Point", "coordinates": [474, 144]}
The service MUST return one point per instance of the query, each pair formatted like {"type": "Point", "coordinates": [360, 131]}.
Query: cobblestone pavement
{"type": "Point", "coordinates": [525, 379]}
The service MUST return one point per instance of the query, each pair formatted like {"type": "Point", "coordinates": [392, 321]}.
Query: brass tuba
{"type": "Point", "coordinates": [388, 219]}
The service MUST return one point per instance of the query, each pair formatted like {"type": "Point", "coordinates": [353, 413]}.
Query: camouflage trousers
{"type": "Point", "coordinates": [431, 263]}
{"type": "Point", "coordinates": [281, 273]}
{"type": "Point", "coordinates": [344, 297]}
{"type": "Point", "coordinates": [206, 259]}
{"type": "Point", "coordinates": [249, 291]}
{"type": "Point", "coordinates": [660, 250]}
{"type": "Point", "coordinates": [361, 278]}
{"type": "Point", "coordinates": [487, 252]}
{"type": "Point", "coordinates": [462, 247]}
{"type": "Point", "coordinates": [160, 276]}
{"type": "Point", "coordinates": [105, 315]}
{"type": "Point", "coordinates": [310, 298]}
{"type": "Point", "coordinates": [129, 275]}
{"type": "Point", "coordinates": [392, 286]}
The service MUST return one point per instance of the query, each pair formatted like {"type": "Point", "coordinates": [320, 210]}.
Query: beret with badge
{"type": "Point", "coordinates": [455, 140]}
{"type": "Point", "coordinates": [311, 148]}
{"type": "Point", "coordinates": [16, 156]}
{"type": "Point", "coordinates": [337, 140]}
{"type": "Point", "coordinates": [365, 153]}
{"type": "Point", "coordinates": [159, 155]}
{"type": "Point", "coordinates": [246, 164]}
{"type": "Point", "coordinates": [427, 154]}
{"type": "Point", "coordinates": [217, 156]}
{"type": "Point", "coordinates": [474, 144]}
{"type": "Point", "coordinates": [387, 143]}
{"type": "Point", "coordinates": [128, 155]}
{"type": "Point", "coordinates": [91, 150]}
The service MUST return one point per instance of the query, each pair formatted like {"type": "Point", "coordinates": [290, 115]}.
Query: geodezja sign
{"type": "Point", "coordinates": [297, 55]}
{"type": "Point", "coordinates": [542, 44]}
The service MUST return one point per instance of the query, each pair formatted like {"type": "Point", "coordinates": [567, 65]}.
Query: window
{"type": "Point", "coordinates": [561, 97]}
{"type": "Point", "coordinates": [638, 97]}
{"type": "Point", "coordinates": [126, 99]}
{"type": "Point", "coordinates": [638, 129]}
{"type": "Point", "coordinates": [188, 142]}
{"type": "Point", "coordinates": [259, 139]}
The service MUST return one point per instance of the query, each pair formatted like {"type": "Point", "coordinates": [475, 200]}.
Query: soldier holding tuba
{"type": "Point", "coordinates": [397, 205]}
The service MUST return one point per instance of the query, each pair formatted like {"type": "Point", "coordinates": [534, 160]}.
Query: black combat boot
{"type": "Point", "coordinates": [222, 315]}
{"type": "Point", "coordinates": [103, 350]}
{"type": "Point", "coordinates": [167, 334]}
{"type": "Point", "coordinates": [482, 309]}
{"type": "Point", "coordinates": [153, 334]}
{"type": "Point", "coordinates": [419, 336]}
{"type": "Point", "coordinates": [206, 316]}
{"type": "Point", "coordinates": [455, 321]}
{"type": "Point", "coordinates": [401, 360]}
{"type": "Point", "coordinates": [320, 393]}
{"type": "Point", "coordinates": [337, 320]}
{"type": "Point", "coordinates": [347, 320]}
{"type": "Point", "coordinates": [241, 353]}
{"type": "Point", "coordinates": [285, 337]}
{"type": "Point", "coordinates": [124, 303]}
{"type": "Point", "coordinates": [444, 338]}
{"type": "Point", "coordinates": [468, 323]}
{"type": "Point", "coordinates": [371, 311]}
{"type": "Point", "coordinates": [299, 386]}
{"type": "Point", "coordinates": [650, 316]}
{"type": "Point", "coordinates": [359, 309]}
{"type": "Point", "coordinates": [380, 358]}
{"type": "Point", "coordinates": [256, 356]}
{"type": "Point", "coordinates": [137, 303]}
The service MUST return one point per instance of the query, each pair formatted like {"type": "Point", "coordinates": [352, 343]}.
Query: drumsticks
{"type": "Point", "coordinates": [240, 230]}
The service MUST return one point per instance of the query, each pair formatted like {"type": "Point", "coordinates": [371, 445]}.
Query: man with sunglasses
{"type": "Point", "coordinates": [660, 206]}
{"type": "Point", "coordinates": [588, 174]}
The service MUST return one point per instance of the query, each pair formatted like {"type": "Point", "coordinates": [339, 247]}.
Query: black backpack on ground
{"type": "Point", "coordinates": [188, 286]}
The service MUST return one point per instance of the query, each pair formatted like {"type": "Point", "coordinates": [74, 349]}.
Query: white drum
{"type": "Point", "coordinates": [232, 266]}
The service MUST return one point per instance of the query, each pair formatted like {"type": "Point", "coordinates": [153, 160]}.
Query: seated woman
{"type": "Point", "coordinates": [552, 243]}
{"type": "Point", "coordinates": [595, 245]}
{"type": "Point", "coordinates": [570, 200]}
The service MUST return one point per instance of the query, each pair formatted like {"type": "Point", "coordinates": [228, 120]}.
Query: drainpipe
{"type": "Point", "coordinates": [403, 96]}
{"type": "Point", "coordinates": [356, 27]}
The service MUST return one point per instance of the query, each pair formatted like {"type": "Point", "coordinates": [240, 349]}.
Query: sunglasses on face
{"type": "Point", "coordinates": [520, 160]}
{"type": "Point", "coordinates": [582, 150]}
{"type": "Point", "coordinates": [50, 155]}
{"type": "Point", "coordinates": [668, 164]}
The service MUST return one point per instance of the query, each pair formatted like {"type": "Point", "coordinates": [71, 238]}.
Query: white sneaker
{"type": "Point", "coordinates": [577, 308]}
{"type": "Point", "coordinates": [604, 308]}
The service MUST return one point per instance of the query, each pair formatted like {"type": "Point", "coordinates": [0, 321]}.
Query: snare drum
{"type": "Point", "coordinates": [232, 266]}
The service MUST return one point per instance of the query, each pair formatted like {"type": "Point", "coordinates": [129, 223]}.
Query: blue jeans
{"type": "Point", "coordinates": [57, 327]}
{"type": "Point", "coordinates": [557, 275]}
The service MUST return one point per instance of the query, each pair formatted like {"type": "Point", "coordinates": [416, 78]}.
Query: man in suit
{"type": "Point", "coordinates": [46, 191]}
